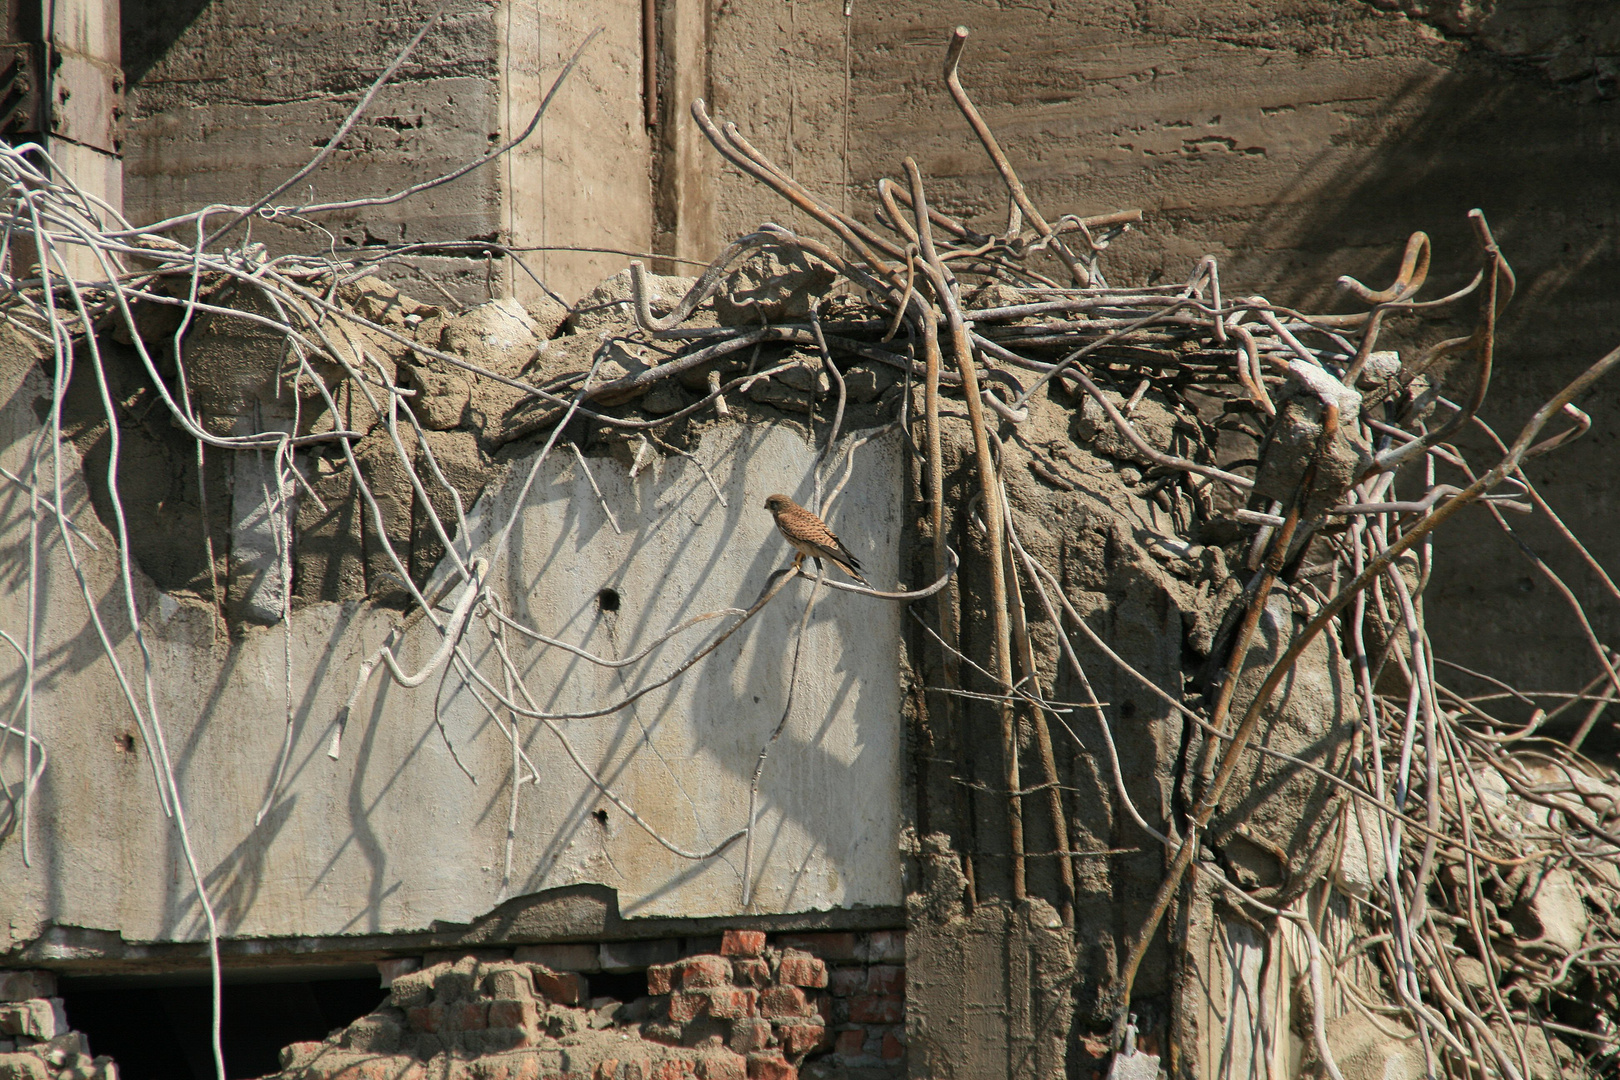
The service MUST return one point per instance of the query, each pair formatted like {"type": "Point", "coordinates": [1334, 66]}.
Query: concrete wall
{"type": "Point", "coordinates": [228, 99]}
{"type": "Point", "coordinates": [1297, 140]}
{"type": "Point", "coordinates": [392, 837]}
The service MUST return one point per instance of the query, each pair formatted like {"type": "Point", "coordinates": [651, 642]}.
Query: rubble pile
{"type": "Point", "coordinates": [749, 1012]}
{"type": "Point", "coordinates": [35, 1040]}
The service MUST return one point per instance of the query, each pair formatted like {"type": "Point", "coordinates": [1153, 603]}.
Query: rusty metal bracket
{"type": "Point", "coordinates": [21, 109]}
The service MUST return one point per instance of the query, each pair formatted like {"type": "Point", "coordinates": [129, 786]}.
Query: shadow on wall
{"type": "Point", "coordinates": [149, 28]}
{"type": "Point", "coordinates": [1544, 165]}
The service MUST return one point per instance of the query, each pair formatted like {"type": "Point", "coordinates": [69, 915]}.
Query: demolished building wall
{"type": "Point", "coordinates": [1010, 966]}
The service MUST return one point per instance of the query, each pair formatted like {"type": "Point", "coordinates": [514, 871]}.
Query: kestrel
{"type": "Point", "coordinates": [810, 535]}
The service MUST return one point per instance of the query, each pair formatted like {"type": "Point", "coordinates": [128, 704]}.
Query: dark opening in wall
{"type": "Point", "coordinates": [608, 600]}
{"type": "Point", "coordinates": [157, 1027]}
{"type": "Point", "coordinates": [623, 986]}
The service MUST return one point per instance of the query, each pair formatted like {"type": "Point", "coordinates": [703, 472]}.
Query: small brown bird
{"type": "Point", "coordinates": [810, 535]}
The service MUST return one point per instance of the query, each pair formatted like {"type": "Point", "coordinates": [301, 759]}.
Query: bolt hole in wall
{"type": "Point", "coordinates": [157, 1026]}
{"type": "Point", "coordinates": [608, 600]}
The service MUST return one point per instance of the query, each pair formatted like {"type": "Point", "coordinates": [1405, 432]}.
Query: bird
{"type": "Point", "coordinates": [810, 535]}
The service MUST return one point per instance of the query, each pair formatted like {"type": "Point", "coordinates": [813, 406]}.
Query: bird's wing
{"type": "Point", "coordinates": [808, 529]}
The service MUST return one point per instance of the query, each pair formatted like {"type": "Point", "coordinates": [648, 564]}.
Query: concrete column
{"type": "Point", "coordinates": [687, 166]}
{"type": "Point", "coordinates": [61, 86]}
{"type": "Point", "coordinates": [86, 104]}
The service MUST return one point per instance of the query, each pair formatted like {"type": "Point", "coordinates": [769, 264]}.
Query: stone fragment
{"type": "Point", "coordinates": [1151, 419]}
{"type": "Point", "coordinates": [664, 398]}
{"type": "Point", "coordinates": [808, 375]}
{"type": "Point", "coordinates": [1293, 442]}
{"type": "Point", "coordinates": [781, 396]}
{"type": "Point", "coordinates": [443, 392]}
{"type": "Point", "coordinates": [500, 336]}
{"type": "Point", "coordinates": [609, 306]}
{"type": "Point", "coordinates": [772, 286]}
{"type": "Point", "coordinates": [37, 1018]}
{"type": "Point", "coordinates": [1550, 909]}
{"type": "Point", "coordinates": [24, 1066]}
{"type": "Point", "coordinates": [865, 382]}
{"type": "Point", "coordinates": [1362, 1052]}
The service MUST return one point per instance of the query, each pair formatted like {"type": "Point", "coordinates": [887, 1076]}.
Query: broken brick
{"type": "Point", "coordinates": [742, 943]}
{"type": "Point", "coordinates": [729, 1004]}
{"type": "Point", "coordinates": [893, 1048]}
{"type": "Point", "coordinates": [687, 1005]}
{"type": "Point", "coordinates": [562, 987]}
{"type": "Point", "coordinates": [747, 971]}
{"type": "Point", "coordinates": [783, 1001]}
{"type": "Point", "coordinates": [770, 1066]}
{"type": "Point", "coordinates": [660, 979]}
{"type": "Point", "coordinates": [702, 972]}
{"type": "Point", "coordinates": [509, 981]}
{"type": "Point", "coordinates": [509, 1013]}
{"type": "Point", "coordinates": [800, 1038]}
{"type": "Point", "coordinates": [722, 1065]}
{"type": "Point", "coordinates": [750, 1034]}
{"type": "Point", "coordinates": [801, 969]}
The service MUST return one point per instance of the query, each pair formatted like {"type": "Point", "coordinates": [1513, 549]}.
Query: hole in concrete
{"type": "Point", "coordinates": [157, 1026]}
{"type": "Point", "coordinates": [126, 743]}
{"type": "Point", "coordinates": [608, 600]}
{"type": "Point", "coordinates": [600, 816]}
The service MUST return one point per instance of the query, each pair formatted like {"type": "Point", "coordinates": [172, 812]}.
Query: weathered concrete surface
{"type": "Point", "coordinates": [583, 180]}
{"type": "Point", "coordinates": [227, 100]}
{"type": "Point", "coordinates": [392, 837]}
{"type": "Point", "coordinates": [1297, 140]}
{"type": "Point", "coordinates": [987, 994]}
